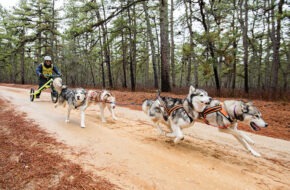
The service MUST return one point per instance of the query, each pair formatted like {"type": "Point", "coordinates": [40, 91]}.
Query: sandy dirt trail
{"type": "Point", "coordinates": [131, 154]}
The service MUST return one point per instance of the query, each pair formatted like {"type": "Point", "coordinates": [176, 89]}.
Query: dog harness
{"type": "Point", "coordinates": [219, 108]}
{"type": "Point", "coordinates": [169, 111]}
{"type": "Point", "coordinates": [98, 94]}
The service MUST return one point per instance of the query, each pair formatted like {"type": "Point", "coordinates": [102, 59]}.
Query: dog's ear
{"type": "Point", "coordinates": [250, 103]}
{"type": "Point", "coordinates": [158, 93]}
{"type": "Point", "coordinates": [245, 107]}
{"type": "Point", "coordinates": [191, 89]}
{"type": "Point", "coordinates": [159, 99]}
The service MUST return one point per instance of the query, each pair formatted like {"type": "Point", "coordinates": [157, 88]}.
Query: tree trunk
{"type": "Point", "coordinates": [172, 47]}
{"type": "Point", "coordinates": [39, 55]}
{"type": "Point", "coordinates": [165, 80]}
{"type": "Point", "coordinates": [134, 44]}
{"type": "Point", "coordinates": [192, 53]}
{"type": "Point", "coordinates": [152, 46]}
{"type": "Point", "coordinates": [22, 58]}
{"type": "Point", "coordinates": [158, 51]}
{"type": "Point", "coordinates": [267, 79]}
{"type": "Point", "coordinates": [182, 72]}
{"type": "Point", "coordinates": [210, 46]}
{"type": "Point", "coordinates": [234, 68]}
{"type": "Point", "coordinates": [124, 62]}
{"type": "Point", "coordinates": [101, 53]}
{"type": "Point", "coordinates": [147, 63]}
{"type": "Point", "coordinates": [244, 26]}
{"type": "Point", "coordinates": [191, 37]}
{"type": "Point", "coordinates": [14, 66]}
{"type": "Point", "coordinates": [91, 70]}
{"type": "Point", "coordinates": [189, 25]}
{"type": "Point", "coordinates": [52, 33]}
{"type": "Point", "coordinates": [106, 48]}
{"type": "Point", "coordinates": [276, 37]}
{"type": "Point", "coordinates": [286, 74]}
{"type": "Point", "coordinates": [132, 53]}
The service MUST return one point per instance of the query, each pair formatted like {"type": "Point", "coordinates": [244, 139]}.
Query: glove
{"type": "Point", "coordinates": [41, 75]}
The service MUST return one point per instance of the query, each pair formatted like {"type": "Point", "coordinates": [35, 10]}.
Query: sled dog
{"type": "Point", "coordinates": [226, 115]}
{"type": "Point", "coordinates": [156, 114]}
{"type": "Point", "coordinates": [104, 99]}
{"type": "Point", "coordinates": [75, 98]}
{"type": "Point", "coordinates": [182, 112]}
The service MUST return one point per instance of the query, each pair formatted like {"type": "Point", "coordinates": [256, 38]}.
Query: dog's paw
{"type": "Point", "coordinates": [177, 140]}
{"type": "Point", "coordinates": [255, 153]}
{"type": "Point", "coordinates": [55, 105]}
{"type": "Point", "coordinates": [115, 118]}
{"type": "Point", "coordinates": [104, 121]}
{"type": "Point", "coordinates": [83, 126]}
{"type": "Point", "coordinates": [67, 120]}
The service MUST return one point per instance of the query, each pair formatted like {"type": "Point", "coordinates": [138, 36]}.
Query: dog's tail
{"type": "Point", "coordinates": [158, 93]}
{"type": "Point", "coordinates": [146, 105]}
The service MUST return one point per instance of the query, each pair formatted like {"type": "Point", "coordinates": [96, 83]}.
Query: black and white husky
{"type": "Point", "coordinates": [156, 114]}
{"type": "Point", "coordinates": [179, 112]}
{"type": "Point", "coordinates": [76, 99]}
{"type": "Point", "coordinates": [226, 115]}
{"type": "Point", "coordinates": [104, 99]}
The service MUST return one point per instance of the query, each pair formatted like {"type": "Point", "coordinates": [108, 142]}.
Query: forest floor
{"type": "Point", "coordinates": [39, 150]}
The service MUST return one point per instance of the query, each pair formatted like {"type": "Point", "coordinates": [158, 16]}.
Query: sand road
{"type": "Point", "coordinates": [131, 154]}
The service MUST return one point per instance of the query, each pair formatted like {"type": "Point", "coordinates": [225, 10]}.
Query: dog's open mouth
{"type": "Point", "coordinates": [255, 127]}
{"type": "Point", "coordinates": [206, 103]}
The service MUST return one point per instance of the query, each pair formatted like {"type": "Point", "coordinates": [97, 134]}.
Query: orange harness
{"type": "Point", "coordinates": [169, 111]}
{"type": "Point", "coordinates": [219, 108]}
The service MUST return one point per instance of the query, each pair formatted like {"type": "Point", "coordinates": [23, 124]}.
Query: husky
{"type": "Point", "coordinates": [156, 114]}
{"type": "Point", "coordinates": [76, 99]}
{"type": "Point", "coordinates": [226, 115]}
{"type": "Point", "coordinates": [183, 112]}
{"type": "Point", "coordinates": [57, 84]}
{"type": "Point", "coordinates": [104, 99]}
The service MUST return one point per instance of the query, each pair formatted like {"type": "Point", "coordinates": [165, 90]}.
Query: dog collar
{"type": "Point", "coordinates": [190, 103]}
{"type": "Point", "coordinates": [235, 114]}
{"type": "Point", "coordinates": [241, 118]}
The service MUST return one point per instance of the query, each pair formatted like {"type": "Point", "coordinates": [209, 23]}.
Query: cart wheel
{"type": "Point", "coordinates": [54, 97]}
{"type": "Point", "coordinates": [31, 94]}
